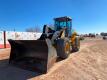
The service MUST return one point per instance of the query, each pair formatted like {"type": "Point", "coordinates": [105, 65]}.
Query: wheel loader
{"type": "Point", "coordinates": [41, 54]}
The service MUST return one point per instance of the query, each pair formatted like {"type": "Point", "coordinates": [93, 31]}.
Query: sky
{"type": "Point", "coordinates": [88, 16]}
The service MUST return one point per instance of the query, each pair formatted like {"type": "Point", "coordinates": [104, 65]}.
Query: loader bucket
{"type": "Point", "coordinates": [34, 55]}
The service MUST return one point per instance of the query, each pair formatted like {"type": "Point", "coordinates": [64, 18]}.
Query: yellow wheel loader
{"type": "Point", "coordinates": [39, 55]}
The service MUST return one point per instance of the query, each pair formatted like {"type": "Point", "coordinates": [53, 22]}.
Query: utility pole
{"type": "Point", "coordinates": [4, 33]}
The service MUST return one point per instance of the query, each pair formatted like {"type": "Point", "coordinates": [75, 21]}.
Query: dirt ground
{"type": "Point", "coordinates": [90, 63]}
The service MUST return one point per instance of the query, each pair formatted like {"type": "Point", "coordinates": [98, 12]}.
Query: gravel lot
{"type": "Point", "coordinates": [90, 63]}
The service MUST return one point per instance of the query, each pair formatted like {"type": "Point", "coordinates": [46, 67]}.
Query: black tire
{"type": "Point", "coordinates": [104, 38]}
{"type": "Point", "coordinates": [60, 47]}
{"type": "Point", "coordinates": [76, 46]}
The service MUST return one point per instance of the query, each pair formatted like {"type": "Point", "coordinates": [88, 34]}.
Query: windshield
{"type": "Point", "coordinates": [61, 24]}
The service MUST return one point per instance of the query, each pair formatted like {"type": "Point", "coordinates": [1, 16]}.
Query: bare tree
{"type": "Point", "coordinates": [33, 29]}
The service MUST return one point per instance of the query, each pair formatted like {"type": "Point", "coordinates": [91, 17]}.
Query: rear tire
{"type": "Point", "coordinates": [76, 46]}
{"type": "Point", "coordinates": [60, 47]}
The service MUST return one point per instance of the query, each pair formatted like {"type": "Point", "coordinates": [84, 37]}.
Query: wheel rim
{"type": "Point", "coordinates": [67, 48]}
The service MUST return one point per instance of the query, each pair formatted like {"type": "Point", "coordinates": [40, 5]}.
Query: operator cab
{"type": "Point", "coordinates": [62, 22]}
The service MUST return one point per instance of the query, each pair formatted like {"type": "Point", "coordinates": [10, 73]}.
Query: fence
{"type": "Point", "coordinates": [5, 35]}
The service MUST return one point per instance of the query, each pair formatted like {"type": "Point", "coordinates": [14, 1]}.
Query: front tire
{"type": "Point", "coordinates": [63, 48]}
